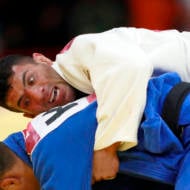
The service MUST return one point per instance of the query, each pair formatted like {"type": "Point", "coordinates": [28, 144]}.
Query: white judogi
{"type": "Point", "coordinates": [117, 65]}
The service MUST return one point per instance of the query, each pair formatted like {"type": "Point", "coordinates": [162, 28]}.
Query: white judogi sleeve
{"type": "Point", "coordinates": [118, 73]}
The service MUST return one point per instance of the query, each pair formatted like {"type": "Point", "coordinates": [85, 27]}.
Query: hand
{"type": "Point", "coordinates": [105, 164]}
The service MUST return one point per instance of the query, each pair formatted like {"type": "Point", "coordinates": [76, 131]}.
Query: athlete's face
{"type": "Point", "coordinates": [28, 181]}
{"type": "Point", "coordinates": [35, 88]}
{"type": "Point", "coordinates": [19, 177]}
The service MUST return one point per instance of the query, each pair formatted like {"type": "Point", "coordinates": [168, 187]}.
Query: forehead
{"type": "Point", "coordinates": [18, 72]}
{"type": "Point", "coordinates": [23, 66]}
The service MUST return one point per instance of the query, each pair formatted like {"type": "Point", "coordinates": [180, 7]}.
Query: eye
{"type": "Point", "coordinates": [31, 80]}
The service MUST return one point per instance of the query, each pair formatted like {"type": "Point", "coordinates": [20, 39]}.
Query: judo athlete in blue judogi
{"type": "Point", "coordinates": [60, 142]}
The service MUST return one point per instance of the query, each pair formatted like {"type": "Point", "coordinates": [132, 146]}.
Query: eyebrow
{"type": "Point", "coordinates": [24, 84]}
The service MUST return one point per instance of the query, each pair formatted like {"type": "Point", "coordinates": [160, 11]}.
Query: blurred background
{"type": "Point", "coordinates": [45, 27]}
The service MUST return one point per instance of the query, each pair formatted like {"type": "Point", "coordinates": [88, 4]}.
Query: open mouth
{"type": "Point", "coordinates": [54, 95]}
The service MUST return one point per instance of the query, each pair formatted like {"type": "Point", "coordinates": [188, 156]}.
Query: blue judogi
{"type": "Point", "coordinates": [62, 147]}
{"type": "Point", "coordinates": [61, 141]}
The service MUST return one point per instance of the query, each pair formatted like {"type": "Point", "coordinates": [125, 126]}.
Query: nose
{"type": "Point", "coordinates": [34, 92]}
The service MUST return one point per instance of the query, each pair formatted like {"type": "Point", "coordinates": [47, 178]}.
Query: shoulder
{"type": "Point", "coordinates": [16, 143]}
{"type": "Point", "coordinates": [48, 121]}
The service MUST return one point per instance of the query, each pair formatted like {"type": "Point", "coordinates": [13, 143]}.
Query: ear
{"type": "Point", "coordinates": [40, 58]}
{"type": "Point", "coordinates": [9, 183]}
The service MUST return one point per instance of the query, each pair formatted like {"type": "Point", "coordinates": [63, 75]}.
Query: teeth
{"type": "Point", "coordinates": [53, 95]}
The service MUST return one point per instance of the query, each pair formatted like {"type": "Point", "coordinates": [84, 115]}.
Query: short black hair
{"type": "Point", "coordinates": [7, 159]}
{"type": "Point", "coordinates": [6, 64]}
